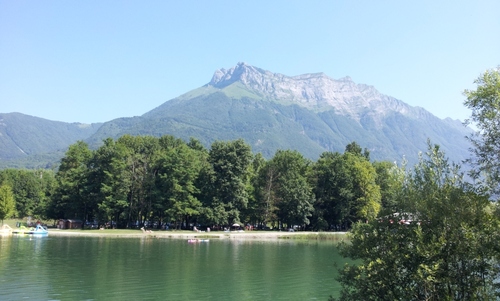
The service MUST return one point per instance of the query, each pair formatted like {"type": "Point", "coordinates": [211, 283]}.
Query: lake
{"type": "Point", "coordinates": [105, 268]}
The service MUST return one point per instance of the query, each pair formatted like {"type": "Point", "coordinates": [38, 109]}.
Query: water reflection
{"type": "Point", "coordinates": [62, 268]}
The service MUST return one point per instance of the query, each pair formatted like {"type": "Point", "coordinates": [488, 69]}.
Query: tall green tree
{"type": "Point", "coordinates": [346, 189]}
{"type": "Point", "coordinates": [46, 184]}
{"type": "Point", "coordinates": [7, 204]}
{"type": "Point", "coordinates": [292, 192]}
{"type": "Point", "coordinates": [110, 183]}
{"type": "Point", "coordinates": [441, 246]}
{"type": "Point", "coordinates": [71, 199]}
{"type": "Point", "coordinates": [225, 193]}
{"type": "Point", "coordinates": [142, 153]}
{"type": "Point", "coordinates": [265, 189]}
{"type": "Point", "coordinates": [484, 102]}
{"type": "Point", "coordinates": [257, 211]}
{"type": "Point", "coordinates": [178, 170]}
{"type": "Point", "coordinates": [390, 180]}
{"type": "Point", "coordinates": [331, 190]}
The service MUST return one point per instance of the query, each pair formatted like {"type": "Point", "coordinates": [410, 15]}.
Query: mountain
{"type": "Point", "coordinates": [311, 113]}
{"type": "Point", "coordinates": [28, 141]}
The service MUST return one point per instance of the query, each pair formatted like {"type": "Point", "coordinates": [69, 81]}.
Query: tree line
{"type": "Point", "coordinates": [165, 180]}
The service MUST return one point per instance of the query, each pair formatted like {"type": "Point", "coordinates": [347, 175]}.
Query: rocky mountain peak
{"type": "Point", "coordinates": [315, 91]}
{"type": "Point", "coordinates": [241, 72]}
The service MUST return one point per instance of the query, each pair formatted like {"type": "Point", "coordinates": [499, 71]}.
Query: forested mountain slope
{"type": "Point", "coordinates": [26, 138]}
{"type": "Point", "coordinates": [311, 113]}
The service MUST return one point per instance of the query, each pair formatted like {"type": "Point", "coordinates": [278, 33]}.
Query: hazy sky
{"type": "Point", "coordinates": [93, 61]}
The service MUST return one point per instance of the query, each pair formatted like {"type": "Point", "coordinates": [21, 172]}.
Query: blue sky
{"type": "Point", "coordinates": [93, 61]}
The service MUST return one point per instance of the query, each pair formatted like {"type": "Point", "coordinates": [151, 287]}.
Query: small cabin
{"type": "Point", "coordinates": [69, 224]}
{"type": "Point", "coordinates": [74, 224]}
{"type": "Point", "coordinates": [61, 224]}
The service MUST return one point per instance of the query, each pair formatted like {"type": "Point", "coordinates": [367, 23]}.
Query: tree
{"type": "Point", "coordinates": [196, 145]}
{"type": "Point", "coordinates": [141, 155]}
{"type": "Point", "coordinates": [224, 189]}
{"type": "Point", "coordinates": [7, 204]}
{"type": "Point", "coordinates": [355, 149]}
{"type": "Point", "coordinates": [256, 210]}
{"type": "Point", "coordinates": [110, 181]}
{"type": "Point", "coordinates": [44, 181]}
{"type": "Point", "coordinates": [390, 180]}
{"type": "Point", "coordinates": [441, 245]}
{"type": "Point", "coordinates": [346, 190]}
{"type": "Point", "coordinates": [289, 187]}
{"type": "Point", "coordinates": [31, 189]}
{"type": "Point", "coordinates": [178, 170]}
{"type": "Point", "coordinates": [71, 198]}
{"type": "Point", "coordinates": [485, 105]}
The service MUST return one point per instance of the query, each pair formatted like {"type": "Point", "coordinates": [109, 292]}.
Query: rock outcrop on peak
{"type": "Point", "coordinates": [315, 91]}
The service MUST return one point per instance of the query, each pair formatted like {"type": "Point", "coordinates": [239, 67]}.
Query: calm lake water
{"type": "Point", "coordinates": [90, 268]}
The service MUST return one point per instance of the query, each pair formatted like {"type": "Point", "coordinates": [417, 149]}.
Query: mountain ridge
{"type": "Point", "coordinates": [23, 135]}
{"type": "Point", "coordinates": [249, 102]}
{"type": "Point", "coordinates": [315, 91]}
{"type": "Point", "coordinates": [311, 113]}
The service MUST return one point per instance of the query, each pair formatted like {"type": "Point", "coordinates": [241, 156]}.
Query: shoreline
{"type": "Point", "coordinates": [234, 235]}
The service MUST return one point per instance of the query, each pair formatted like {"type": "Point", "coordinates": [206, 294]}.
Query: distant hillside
{"type": "Point", "coordinates": [310, 113]}
{"type": "Point", "coordinates": [30, 139]}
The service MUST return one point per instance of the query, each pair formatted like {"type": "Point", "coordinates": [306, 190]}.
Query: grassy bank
{"type": "Point", "coordinates": [186, 234]}
{"type": "Point", "coordinates": [333, 236]}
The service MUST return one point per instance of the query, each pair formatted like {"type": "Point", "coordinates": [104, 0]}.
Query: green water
{"type": "Point", "coordinates": [88, 268]}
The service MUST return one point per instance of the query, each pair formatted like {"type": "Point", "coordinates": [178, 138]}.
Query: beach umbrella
{"type": "Point", "coordinates": [236, 225]}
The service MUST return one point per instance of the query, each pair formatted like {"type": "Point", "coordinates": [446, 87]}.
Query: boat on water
{"type": "Point", "coordinates": [196, 240]}
{"type": "Point", "coordinates": [21, 230]}
{"type": "Point", "coordinates": [38, 230]}
{"type": "Point", "coordinates": [5, 230]}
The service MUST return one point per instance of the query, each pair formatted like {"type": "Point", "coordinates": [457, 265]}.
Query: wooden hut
{"type": "Point", "coordinates": [74, 224]}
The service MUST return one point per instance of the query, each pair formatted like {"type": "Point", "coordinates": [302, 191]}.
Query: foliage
{"type": "Point", "coordinates": [110, 183]}
{"type": "Point", "coordinates": [32, 190]}
{"type": "Point", "coordinates": [355, 149]}
{"type": "Point", "coordinates": [138, 180]}
{"type": "Point", "coordinates": [257, 212]}
{"type": "Point", "coordinates": [288, 189]}
{"type": "Point", "coordinates": [139, 173]}
{"type": "Point", "coordinates": [448, 251]}
{"type": "Point", "coordinates": [485, 105]}
{"type": "Point", "coordinates": [71, 195]}
{"type": "Point", "coordinates": [178, 170]}
{"type": "Point", "coordinates": [7, 205]}
{"type": "Point", "coordinates": [226, 180]}
{"type": "Point", "coordinates": [390, 179]}
{"type": "Point", "coordinates": [346, 189]}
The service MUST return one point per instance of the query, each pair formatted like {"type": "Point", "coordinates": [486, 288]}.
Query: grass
{"type": "Point", "coordinates": [182, 234]}
{"type": "Point", "coordinates": [315, 236]}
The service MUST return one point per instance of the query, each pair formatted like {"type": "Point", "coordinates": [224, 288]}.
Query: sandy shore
{"type": "Point", "coordinates": [247, 235]}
